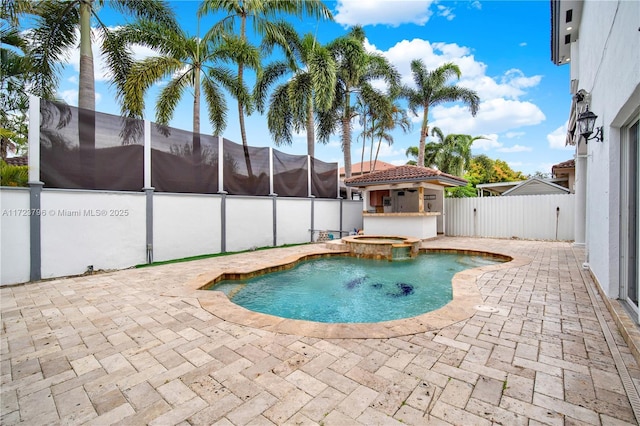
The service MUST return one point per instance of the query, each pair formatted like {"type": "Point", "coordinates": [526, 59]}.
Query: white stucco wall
{"type": "Point", "coordinates": [14, 235]}
{"type": "Point", "coordinates": [326, 215]}
{"type": "Point", "coordinates": [351, 215]}
{"type": "Point", "coordinates": [83, 228]}
{"type": "Point", "coordinates": [108, 229]}
{"type": "Point", "coordinates": [609, 69]}
{"type": "Point", "coordinates": [185, 225]}
{"type": "Point", "coordinates": [293, 220]}
{"type": "Point", "coordinates": [249, 223]}
{"type": "Point", "coordinates": [422, 227]}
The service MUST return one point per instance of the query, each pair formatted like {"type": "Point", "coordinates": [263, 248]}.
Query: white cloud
{"type": "Point", "coordinates": [545, 167]}
{"type": "Point", "coordinates": [382, 12]}
{"type": "Point", "coordinates": [501, 108]}
{"type": "Point", "coordinates": [101, 71]}
{"type": "Point", "coordinates": [334, 143]}
{"type": "Point", "coordinates": [515, 148]}
{"type": "Point", "coordinates": [557, 138]}
{"type": "Point", "coordinates": [512, 84]}
{"type": "Point", "coordinates": [387, 151]}
{"type": "Point", "coordinates": [516, 78]}
{"type": "Point", "coordinates": [486, 143]}
{"type": "Point", "coordinates": [523, 44]}
{"type": "Point", "coordinates": [69, 96]}
{"type": "Point", "coordinates": [398, 162]}
{"type": "Point", "coordinates": [494, 116]}
{"type": "Point", "coordinates": [511, 135]}
{"type": "Point", "coordinates": [445, 12]}
{"type": "Point", "coordinates": [475, 5]}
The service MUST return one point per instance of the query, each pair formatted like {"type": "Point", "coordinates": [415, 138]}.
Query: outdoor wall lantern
{"type": "Point", "coordinates": [586, 121]}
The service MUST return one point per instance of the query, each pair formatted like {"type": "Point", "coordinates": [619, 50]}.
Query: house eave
{"type": "Point", "coordinates": [441, 180]}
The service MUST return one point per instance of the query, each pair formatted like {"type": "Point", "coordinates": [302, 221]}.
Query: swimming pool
{"type": "Point", "coordinates": [344, 289]}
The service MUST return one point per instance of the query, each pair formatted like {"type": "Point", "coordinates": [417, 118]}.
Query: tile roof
{"type": "Point", "coordinates": [17, 161]}
{"type": "Point", "coordinates": [358, 167]}
{"type": "Point", "coordinates": [405, 173]}
{"type": "Point", "coordinates": [569, 164]}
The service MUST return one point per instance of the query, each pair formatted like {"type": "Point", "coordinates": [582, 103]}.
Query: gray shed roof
{"type": "Point", "coordinates": [536, 186]}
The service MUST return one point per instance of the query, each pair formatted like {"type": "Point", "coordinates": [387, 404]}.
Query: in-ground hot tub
{"type": "Point", "coordinates": [383, 246]}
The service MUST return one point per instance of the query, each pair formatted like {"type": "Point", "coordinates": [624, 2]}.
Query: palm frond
{"type": "Point", "coordinates": [217, 105]}
{"type": "Point", "coordinates": [169, 98]}
{"type": "Point", "coordinates": [142, 76]}
{"type": "Point", "coordinates": [280, 117]}
{"type": "Point", "coordinates": [265, 79]}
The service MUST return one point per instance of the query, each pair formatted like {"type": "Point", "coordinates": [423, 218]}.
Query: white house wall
{"type": "Point", "coordinates": [83, 228]}
{"type": "Point", "coordinates": [249, 222]}
{"type": "Point", "coordinates": [185, 225]}
{"type": "Point", "coordinates": [107, 229]}
{"type": "Point", "coordinates": [326, 216]}
{"type": "Point", "coordinates": [609, 69]}
{"type": "Point", "coordinates": [14, 235]}
{"type": "Point", "coordinates": [351, 215]}
{"type": "Point", "coordinates": [293, 221]}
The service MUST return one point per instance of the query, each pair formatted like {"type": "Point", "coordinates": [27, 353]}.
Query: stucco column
{"type": "Point", "coordinates": [420, 200]}
{"type": "Point", "coordinates": [35, 190]}
{"type": "Point", "coordinates": [580, 200]}
{"type": "Point", "coordinates": [365, 199]}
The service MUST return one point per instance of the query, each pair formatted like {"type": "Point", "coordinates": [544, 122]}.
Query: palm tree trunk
{"type": "Point", "coordinates": [377, 152]}
{"type": "Point", "coordinates": [346, 142]}
{"type": "Point", "coordinates": [371, 151]}
{"type": "Point", "coordinates": [247, 158]}
{"type": "Point", "coordinates": [364, 142]}
{"type": "Point", "coordinates": [87, 99]}
{"type": "Point", "coordinates": [196, 148]}
{"type": "Point", "coordinates": [86, 92]}
{"type": "Point", "coordinates": [424, 130]}
{"type": "Point", "coordinates": [311, 140]}
{"type": "Point", "coordinates": [243, 133]}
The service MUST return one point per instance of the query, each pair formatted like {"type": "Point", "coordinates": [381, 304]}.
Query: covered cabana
{"type": "Point", "coordinates": [404, 200]}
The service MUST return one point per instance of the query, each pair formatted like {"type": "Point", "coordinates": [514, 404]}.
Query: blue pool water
{"type": "Point", "coordinates": [345, 289]}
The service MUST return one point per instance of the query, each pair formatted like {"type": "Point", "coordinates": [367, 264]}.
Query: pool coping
{"type": "Point", "coordinates": [466, 301]}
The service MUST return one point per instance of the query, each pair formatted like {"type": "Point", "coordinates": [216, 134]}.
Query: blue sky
{"type": "Point", "coordinates": [501, 47]}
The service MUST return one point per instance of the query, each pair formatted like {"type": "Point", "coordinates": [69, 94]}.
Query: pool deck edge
{"type": "Point", "coordinates": [466, 300]}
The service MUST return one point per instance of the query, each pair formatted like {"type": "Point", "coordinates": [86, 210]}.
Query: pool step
{"type": "Point", "coordinates": [338, 245]}
{"type": "Point", "coordinates": [235, 290]}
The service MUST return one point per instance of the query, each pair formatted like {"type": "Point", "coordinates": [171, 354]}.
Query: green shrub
{"type": "Point", "coordinates": [13, 175]}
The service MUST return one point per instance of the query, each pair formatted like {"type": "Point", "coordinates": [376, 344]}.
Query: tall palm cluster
{"type": "Point", "coordinates": [319, 89]}
{"type": "Point", "coordinates": [449, 154]}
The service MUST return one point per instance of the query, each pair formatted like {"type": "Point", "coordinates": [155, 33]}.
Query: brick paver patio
{"type": "Point", "coordinates": [139, 346]}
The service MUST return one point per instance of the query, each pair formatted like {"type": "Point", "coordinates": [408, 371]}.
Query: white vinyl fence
{"type": "Point", "coordinates": [532, 217]}
{"type": "Point", "coordinates": [108, 229]}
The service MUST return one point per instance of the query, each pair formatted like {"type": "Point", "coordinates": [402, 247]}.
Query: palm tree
{"type": "Point", "coordinates": [431, 151]}
{"type": "Point", "coordinates": [450, 154]}
{"type": "Point", "coordinates": [393, 117]}
{"type": "Point", "coordinates": [356, 70]}
{"type": "Point", "coordinates": [363, 111]}
{"type": "Point", "coordinates": [11, 10]}
{"type": "Point", "coordinates": [55, 34]}
{"type": "Point", "coordinates": [432, 89]}
{"type": "Point", "coordinates": [292, 104]}
{"type": "Point", "coordinates": [15, 76]}
{"type": "Point", "coordinates": [370, 105]}
{"type": "Point", "coordinates": [189, 62]}
{"type": "Point", "coordinates": [455, 152]}
{"type": "Point", "coordinates": [263, 14]}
